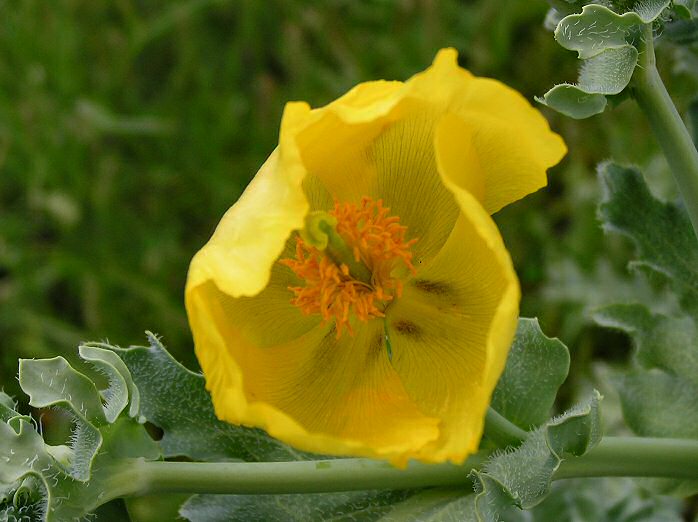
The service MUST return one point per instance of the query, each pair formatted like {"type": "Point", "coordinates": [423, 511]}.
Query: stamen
{"type": "Point", "coordinates": [376, 243]}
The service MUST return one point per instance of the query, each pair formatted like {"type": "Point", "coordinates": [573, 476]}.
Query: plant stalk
{"type": "Point", "coordinates": [613, 457]}
{"type": "Point", "coordinates": [502, 431]}
{"type": "Point", "coordinates": [667, 125]}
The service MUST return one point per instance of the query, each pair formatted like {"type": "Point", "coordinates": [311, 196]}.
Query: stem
{"type": "Point", "coordinates": [298, 477]}
{"type": "Point", "coordinates": [614, 457]}
{"type": "Point", "coordinates": [501, 431]}
{"type": "Point", "coordinates": [635, 457]}
{"type": "Point", "coordinates": [668, 128]}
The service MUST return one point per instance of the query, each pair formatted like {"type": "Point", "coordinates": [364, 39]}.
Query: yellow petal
{"type": "Point", "coordinates": [513, 143]}
{"type": "Point", "coordinates": [315, 392]}
{"type": "Point", "coordinates": [452, 329]}
{"type": "Point", "coordinates": [252, 234]}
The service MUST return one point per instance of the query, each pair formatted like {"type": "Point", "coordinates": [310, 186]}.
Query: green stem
{"type": "Point", "coordinates": [635, 457]}
{"type": "Point", "coordinates": [501, 431]}
{"type": "Point", "coordinates": [666, 123]}
{"type": "Point", "coordinates": [614, 456]}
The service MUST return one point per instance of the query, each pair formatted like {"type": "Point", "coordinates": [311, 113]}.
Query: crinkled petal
{"type": "Point", "coordinates": [252, 234]}
{"type": "Point", "coordinates": [513, 143]}
{"type": "Point", "coordinates": [452, 329]}
{"type": "Point", "coordinates": [316, 392]}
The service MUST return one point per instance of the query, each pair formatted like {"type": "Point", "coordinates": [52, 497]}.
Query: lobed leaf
{"type": "Point", "coordinates": [521, 477]}
{"type": "Point", "coordinates": [661, 232]}
{"type": "Point", "coordinates": [121, 387]}
{"type": "Point", "coordinates": [536, 367]}
{"type": "Point", "coordinates": [595, 29]}
{"type": "Point", "coordinates": [48, 382]}
{"type": "Point", "coordinates": [658, 395]}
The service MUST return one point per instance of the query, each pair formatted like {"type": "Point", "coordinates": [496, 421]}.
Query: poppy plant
{"type": "Point", "coordinates": [358, 298]}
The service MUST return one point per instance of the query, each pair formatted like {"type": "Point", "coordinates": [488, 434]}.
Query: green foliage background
{"type": "Point", "coordinates": [127, 128]}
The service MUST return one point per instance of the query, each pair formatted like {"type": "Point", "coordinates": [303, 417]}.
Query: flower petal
{"type": "Point", "coordinates": [513, 142]}
{"type": "Point", "coordinates": [316, 392]}
{"type": "Point", "coordinates": [452, 329]}
{"type": "Point", "coordinates": [253, 232]}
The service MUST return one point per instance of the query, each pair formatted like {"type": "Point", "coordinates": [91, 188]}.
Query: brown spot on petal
{"type": "Point", "coordinates": [408, 328]}
{"type": "Point", "coordinates": [438, 288]}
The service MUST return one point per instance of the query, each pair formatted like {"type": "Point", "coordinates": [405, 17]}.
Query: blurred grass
{"type": "Point", "coordinates": [128, 127]}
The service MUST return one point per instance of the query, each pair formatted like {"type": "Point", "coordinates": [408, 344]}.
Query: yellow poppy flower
{"type": "Point", "coordinates": [358, 298]}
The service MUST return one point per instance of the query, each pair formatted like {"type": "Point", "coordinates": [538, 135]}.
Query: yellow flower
{"type": "Point", "coordinates": [358, 298]}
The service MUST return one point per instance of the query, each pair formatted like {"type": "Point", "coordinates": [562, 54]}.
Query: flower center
{"type": "Point", "coordinates": [347, 258]}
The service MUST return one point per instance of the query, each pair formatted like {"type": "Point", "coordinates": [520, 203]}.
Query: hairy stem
{"type": "Point", "coordinates": [667, 125]}
{"type": "Point", "coordinates": [614, 457]}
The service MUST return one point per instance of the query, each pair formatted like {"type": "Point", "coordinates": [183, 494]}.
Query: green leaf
{"type": "Point", "coordinates": [649, 10]}
{"type": "Point", "coordinates": [52, 381]}
{"type": "Point", "coordinates": [605, 500]}
{"type": "Point", "coordinates": [684, 8]}
{"type": "Point", "coordinates": [175, 399]}
{"type": "Point", "coordinates": [121, 387]}
{"type": "Point", "coordinates": [666, 343]}
{"type": "Point", "coordinates": [609, 71]}
{"type": "Point", "coordinates": [596, 28]}
{"type": "Point", "coordinates": [127, 439]}
{"type": "Point", "coordinates": [348, 506]}
{"type": "Point", "coordinates": [656, 404]}
{"type": "Point", "coordinates": [572, 101]}
{"type": "Point", "coordinates": [521, 477]}
{"type": "Point", "coordinates": [658, 397]}
{"type": "Point", "coordinates": [7, 408]}
{"type": "Point", "coordinates": [536, 367]}
{"type": "Point", "coordinates": [662, 232]}
{"type": "Point", "coordinates": [58, 483]}
{"type": "Point", "coordinates": [434, 505]}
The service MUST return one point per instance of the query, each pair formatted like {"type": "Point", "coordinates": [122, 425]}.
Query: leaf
{"type": "Point", "coordinates": [521, 477]}
{"type": "Point", "coordinates": [658, 397]}
{"type": "Point", "coordinates": [175, 399]}
{"type": "Point", "coordinates": [52, 381]}
{"type": "Point", "coordinates": [572, 101]}
{"type": "Point", "coordinates": [609, 71]}
{"type": "Point", "coordinates": [536, 367]}
{"type": "Point", "coordinates": [7, 408]}
{"type": "Point", "coordinates": [684, 8]}
{"type": "Point", "coordinates": [596, 28]}
{"type": "Point", "coordinates": [121, 387]}
{"type": "Point", "coordinates": [348, 506]}
{"type": "Point", "coordinates": [662, 232]}
{"type": "Point", "coordinates": [605, 500]}
{"type": "Point", "coordinates": [434, 505]}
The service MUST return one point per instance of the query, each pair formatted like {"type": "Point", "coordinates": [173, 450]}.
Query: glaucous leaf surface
{"type": "Point", "coordinates": [536, 367]}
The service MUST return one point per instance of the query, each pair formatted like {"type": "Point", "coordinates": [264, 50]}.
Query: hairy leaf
{"type": "Point", "coordinates": [521, 477]}
{"type": "Point", "coordinates": [572, 101]}
{"type": "Point", "coordinates": [536, 367]}
{"type": "Point", "coordinates": [662, 232]}
{"type": "Point", "coordinates": [351, 506]}
{"type": "Point", "coordinates": [609, 71]}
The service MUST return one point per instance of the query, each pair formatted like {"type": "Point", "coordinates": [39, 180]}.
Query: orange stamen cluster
{"type": "Point", "coordinates": [378, 241]}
